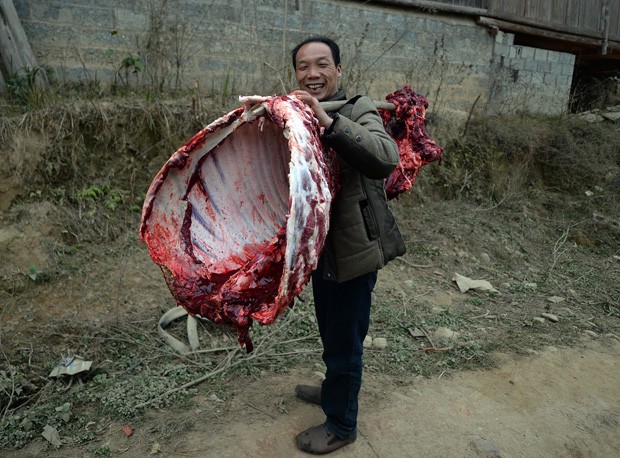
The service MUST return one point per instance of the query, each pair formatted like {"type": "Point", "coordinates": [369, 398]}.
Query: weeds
{"type": "Point", "coordinates": [26, 87]}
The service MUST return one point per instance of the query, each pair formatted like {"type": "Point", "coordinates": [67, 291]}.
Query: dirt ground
{"type": "Point", "coordinates": [512, 385]}
{"type": "Point", "coordinates": [556, 402]}
{"type": "Point", "coordinates": [561, 403]}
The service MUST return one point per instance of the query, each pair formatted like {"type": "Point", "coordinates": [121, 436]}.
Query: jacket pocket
{"type": "Point", "coordinates": [369, 220]}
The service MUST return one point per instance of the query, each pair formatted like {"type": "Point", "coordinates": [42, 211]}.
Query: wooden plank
{"type": "Point", "coordinates": [591, 18]}
{"type": "Point", "coordinates": [614, 15]}
{"type": "Point", "coordinates": [573, 13]}
{"type": "Point", "coordinates": [572, 28]}
{"type": "Point", "coordinates": [533, 30]}
{"type": "Point", "coordinates": [560, 9]}
{"type": "Point", "coordinates": [576, 16]}
{"type": "Point", "coordinates": [437, 5]}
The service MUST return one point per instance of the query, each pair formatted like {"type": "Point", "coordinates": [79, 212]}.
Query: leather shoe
{"type": "Point", "coordinates": [318, 440]}
{"type": "Point", "coordinates": [309, 393]}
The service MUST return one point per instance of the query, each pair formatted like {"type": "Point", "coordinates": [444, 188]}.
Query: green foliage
{"type": "Point", "coordinates": [223, 90]}
{"type": "Point", "coordinates": [25, 87]}
{"type": "Point", "coordinates": [121, 398]}
{"type": "Point", "coordinates": [94, 195]}
{"type": "Point", "coordinates": [103, 450]}
{"type": "Point", "coordinates": [131, 64]}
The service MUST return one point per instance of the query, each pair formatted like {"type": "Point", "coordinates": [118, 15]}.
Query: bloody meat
{"type": "Point", "coordinates": [237, 217]}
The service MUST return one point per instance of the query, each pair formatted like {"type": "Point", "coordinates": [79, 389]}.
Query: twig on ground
{"type": "Point", "coordinates": [434, 349]}
{"type": "Point", "coordinates": [260, 410]}
{"type": "Point", "coordinates": [426, 334]}
{"type": "Point", "coordinates": [417, 266]}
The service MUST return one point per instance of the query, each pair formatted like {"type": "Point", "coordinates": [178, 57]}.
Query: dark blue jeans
{"type": "Point", "coordinates": [343, 315]}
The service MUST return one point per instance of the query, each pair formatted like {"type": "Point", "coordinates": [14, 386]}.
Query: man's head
{"type": "Point", "coordinates": [316, 61]}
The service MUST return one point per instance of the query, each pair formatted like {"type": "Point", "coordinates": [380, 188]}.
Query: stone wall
{"type": "Point", "coordinates": [526, 79]}
{"type": "Point", "coordinates": [233, 47]}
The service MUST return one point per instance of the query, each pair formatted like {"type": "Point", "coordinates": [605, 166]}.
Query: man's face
{"type": "Point", "coordinates": [316, 71]}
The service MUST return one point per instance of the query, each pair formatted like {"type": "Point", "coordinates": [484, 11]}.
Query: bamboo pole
{"type": "Point", "coordinates": [333, 106]}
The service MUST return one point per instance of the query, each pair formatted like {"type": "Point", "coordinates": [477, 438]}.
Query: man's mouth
{"type": "Point", "coordinates": [315, 87]}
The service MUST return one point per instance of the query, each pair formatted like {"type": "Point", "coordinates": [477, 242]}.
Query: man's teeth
{"type": "Point", "coordinates": [315, 86]}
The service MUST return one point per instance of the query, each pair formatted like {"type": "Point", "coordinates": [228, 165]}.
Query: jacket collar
{"type": "Point", "coordinates": [340, 95]}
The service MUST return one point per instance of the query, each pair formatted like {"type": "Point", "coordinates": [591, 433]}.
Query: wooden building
{"type": "Point", "coordinates": [589, 29]}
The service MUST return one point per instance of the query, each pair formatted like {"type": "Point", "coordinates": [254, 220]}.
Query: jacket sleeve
{"type": "Point", "coordinates": [362, 141]}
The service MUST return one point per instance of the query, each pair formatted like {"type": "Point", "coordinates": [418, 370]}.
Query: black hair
{"type": "Point", "coordinates": [320, 39]}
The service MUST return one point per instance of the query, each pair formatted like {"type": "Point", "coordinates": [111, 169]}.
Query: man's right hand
{"type": "Point", "coordinates": [324, 119]}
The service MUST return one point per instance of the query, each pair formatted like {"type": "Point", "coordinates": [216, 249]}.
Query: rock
{"type": "Point", "coordinates": [591, 117]}
{"type": "Point", "coordinates": [155, 449]}
{"type": "Point", "coordinates": [556, 299]}
{"type": "Point", "coordinates": [444, 333]}
{"type": "Point", "coordinates": [437, 310]}
{"type": "Point", "coordinates": [367, 342]}
{"type": "Point", "coordinates": [550, 316]}
{"type": "Point", "coordinates": [538, 319]}
{"type": "Point", "coordinates": [485, 447]}
{"type": "Point", "coordinates": [590, 333]}
{"type": "Point", "coordinates": [589, 193]}
{"type": "Point", "coordinates": [612, 336]}
{"type": "Point", "coordinates": [410, 284]}
{"type": "Point", "coordinates": [485, 257]}
{"type": "Point", "coordinates": [380, 343]}
{"type": "Point", "coordinates": [319, 375]}
{"type": "Point", "coordinates": [465, 284]}
{"type": "Point", "coordinates": [612, 116]}
{"type": "Point", "coordinates": [51, 435]}
{"type": "Point", "coordinates": [530, 285]}
{"type": "Point", "coordinates": [532, 352]}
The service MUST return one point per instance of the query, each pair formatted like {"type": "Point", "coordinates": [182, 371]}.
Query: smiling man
{"type": "Point", "coordinates": [363, 237]}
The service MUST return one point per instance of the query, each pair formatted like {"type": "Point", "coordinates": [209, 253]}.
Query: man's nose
{"type": "Point", "coordinates": [313, 72]}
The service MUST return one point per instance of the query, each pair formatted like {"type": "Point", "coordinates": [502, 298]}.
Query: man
{"type": "Point", "coordinates": [362, 238]}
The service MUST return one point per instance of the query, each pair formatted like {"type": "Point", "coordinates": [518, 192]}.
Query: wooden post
{"type": "Point", "coordinates": [15, 49]}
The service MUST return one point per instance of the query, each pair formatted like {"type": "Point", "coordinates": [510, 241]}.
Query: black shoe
{"type": "Point", "coordinates": [318, 440]}
{"type": "Point", "coordinates": [309, 393]}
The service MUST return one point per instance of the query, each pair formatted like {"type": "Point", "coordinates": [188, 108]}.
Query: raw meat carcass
{"type": "Point", "coordinates": [407, 126]}
{"type": "Point", "coordinates": [237, 217]}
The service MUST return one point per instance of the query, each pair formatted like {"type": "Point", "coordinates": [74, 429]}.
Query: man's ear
{"type": "Point", "coordinates": [339, 70]}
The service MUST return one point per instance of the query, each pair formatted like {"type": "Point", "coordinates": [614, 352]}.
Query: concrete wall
{"type": "Point", "coordinates": [529, 79]}
{"type": "Point", "coordinates": [233, 47]}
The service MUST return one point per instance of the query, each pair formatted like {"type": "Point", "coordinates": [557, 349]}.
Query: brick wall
{"type": "Point", "coordinates": [233, 47]}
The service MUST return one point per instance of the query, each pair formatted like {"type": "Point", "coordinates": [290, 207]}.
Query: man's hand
{"type": "Point", "coordinates": [324, 119]}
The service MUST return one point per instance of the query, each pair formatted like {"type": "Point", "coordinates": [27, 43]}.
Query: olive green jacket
{"type": "Point", "coordinates": [363, 235]}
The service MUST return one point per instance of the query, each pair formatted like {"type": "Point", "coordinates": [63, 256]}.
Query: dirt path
{"type": "Point", "coordinates": [561, 403]}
